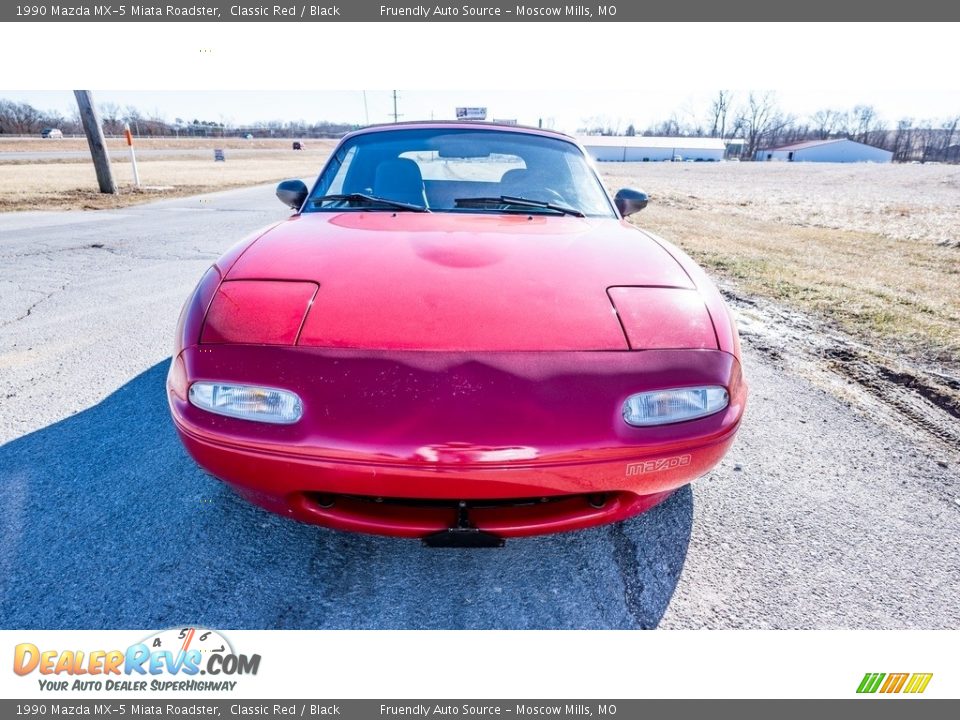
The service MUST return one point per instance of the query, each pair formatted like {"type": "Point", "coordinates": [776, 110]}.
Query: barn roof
{"type": "Point", "coordinates": [817, 143]}
{"type": "Point", "coordinates": [809, 144]}
{"type": "Point", "coordinates": [698, 143]}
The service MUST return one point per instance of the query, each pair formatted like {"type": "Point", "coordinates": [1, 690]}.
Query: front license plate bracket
{"type": "Point", "coordinates": [464, 535]}
{"type": "Point", "coordinates": [463, 538]}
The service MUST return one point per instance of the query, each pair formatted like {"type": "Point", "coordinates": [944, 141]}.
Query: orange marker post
{"type": "Point", "coordinates": [133, 156]}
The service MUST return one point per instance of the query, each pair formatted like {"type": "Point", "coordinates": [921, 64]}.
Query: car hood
{"type": "Point", "coordinates": [447, 281]}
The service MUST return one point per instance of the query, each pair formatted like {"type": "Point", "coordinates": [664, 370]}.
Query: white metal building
{"type": "Point", "coordinates": [639, 148]}
{"type": "Point", "coordinates": [835, 151]}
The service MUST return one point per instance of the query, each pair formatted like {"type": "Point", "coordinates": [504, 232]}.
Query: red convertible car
{"type": "Point", "coordinates": [456, 337]}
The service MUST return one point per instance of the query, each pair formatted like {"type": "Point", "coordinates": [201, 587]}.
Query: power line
{"type": "Point", "coordinates": [396, 115]}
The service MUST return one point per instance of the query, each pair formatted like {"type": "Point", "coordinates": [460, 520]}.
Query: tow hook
{"type": "Point", "coordinates": [463, 534]}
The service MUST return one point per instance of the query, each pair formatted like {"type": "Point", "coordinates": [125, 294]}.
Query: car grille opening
{"type": "Point", "coordinates": [423, 516]}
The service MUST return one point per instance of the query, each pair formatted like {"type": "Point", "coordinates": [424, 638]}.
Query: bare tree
{"type": "Point", "coordinates": [826, 122]}
{"type": "Point", "coordinates": [902, 141]}
{"type": "Point", "coordinates": [948, 130]}
{"type": "Point", "coordinates": [53, 119]}
{"type": "Point", "coordinates": [110, 115]}
{"type": "Point", "coordinates": [19, 118]}
{"type": "Point", "coordinates": [689, 122]}
{"type": "Point", "coordinates": [719, 109]}
{"type": "Point", "coordinates": [761, 121]}
{"type": "Point", "coordinates": [865, 123]}
{"type": "Point", "coordinates": [599, 125]}
{"type": "Point", "coordinates": [133, 116]}
{"type": "Point", "coordinates": [923, 141]}
{"type": "Point", "coordinates": [666, 128]}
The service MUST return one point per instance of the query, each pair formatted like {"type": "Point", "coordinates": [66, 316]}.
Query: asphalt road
{"type": "Point", "coordinates": [819, 517]}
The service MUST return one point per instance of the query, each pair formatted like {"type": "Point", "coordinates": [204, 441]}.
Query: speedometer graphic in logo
{"type": "Point", "coordinates": [190, 651]}
{"type": "Point", "coordinates": [184, 639]}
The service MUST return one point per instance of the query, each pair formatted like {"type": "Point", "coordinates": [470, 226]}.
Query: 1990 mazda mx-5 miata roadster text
{"type": "Point", "coordinates": [456, 337]}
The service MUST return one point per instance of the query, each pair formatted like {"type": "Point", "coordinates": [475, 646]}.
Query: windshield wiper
{"type": "Point", "coordinates": [370, 200]}
{"type": "Point", "coordinates": [517, 201]}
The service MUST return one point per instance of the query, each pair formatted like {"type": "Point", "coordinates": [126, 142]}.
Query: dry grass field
{"type": "Point", "coordinates": [63, 184]}
{"type": "Point", "coordinates": [903, 202]}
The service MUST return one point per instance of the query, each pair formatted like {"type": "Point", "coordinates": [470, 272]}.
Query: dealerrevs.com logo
{"type": "Point", "coordinates": [169, 660]}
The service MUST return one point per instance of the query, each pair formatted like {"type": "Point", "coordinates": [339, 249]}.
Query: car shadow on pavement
{"type": "Point", "coordinates": [108, 523]}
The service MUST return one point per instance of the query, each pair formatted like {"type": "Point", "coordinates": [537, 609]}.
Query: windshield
{"type": "Point", "coordinates": [460, 170]}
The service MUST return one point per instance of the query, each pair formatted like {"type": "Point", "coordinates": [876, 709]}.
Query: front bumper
{"type": "Point", "coordinates": [395, 442]}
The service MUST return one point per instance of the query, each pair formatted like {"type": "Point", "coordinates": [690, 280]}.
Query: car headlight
{"type": "Point", "coordinates": [661, 407]}
{"type": "Point", "coordinates": [247, 402]}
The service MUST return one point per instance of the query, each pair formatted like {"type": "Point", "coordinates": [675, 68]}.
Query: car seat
{"type": "Point", "coordinates": [400, 180]}
{"type": "Point", "coordinates": [514, 181]}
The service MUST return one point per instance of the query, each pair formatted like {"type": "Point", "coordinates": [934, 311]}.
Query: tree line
{"type": "Point", "coordinates": [21, 118]}
{"type": "Point", "coordinates": [757, 122]}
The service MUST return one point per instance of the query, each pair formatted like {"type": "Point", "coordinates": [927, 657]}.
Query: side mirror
{"type": "Point", "coordinates": [630, 201]}
{"type": "Point", "coordinates": [292, 193]}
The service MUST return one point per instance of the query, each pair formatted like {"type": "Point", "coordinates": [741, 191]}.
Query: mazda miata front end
{"type": "Point", "coordinates": [456, 337]}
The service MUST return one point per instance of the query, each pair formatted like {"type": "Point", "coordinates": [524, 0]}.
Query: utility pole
{"type": "Point", "coordinates": [98, 148]}
{"type": "Point", "coordinates": [396, 115]}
